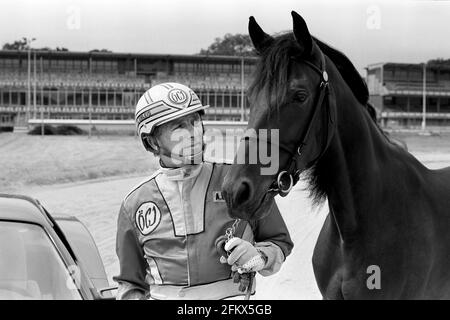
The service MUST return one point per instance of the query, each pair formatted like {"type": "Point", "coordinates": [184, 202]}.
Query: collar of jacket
{"type": "Point", "coordinates": [182, 173]}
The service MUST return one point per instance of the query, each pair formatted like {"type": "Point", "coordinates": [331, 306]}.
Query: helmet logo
{"type": "Point", "coordinates": [177, 96]}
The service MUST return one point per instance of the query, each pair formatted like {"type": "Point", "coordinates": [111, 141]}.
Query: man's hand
{"type": "Point", "coordinates": [244, 257]}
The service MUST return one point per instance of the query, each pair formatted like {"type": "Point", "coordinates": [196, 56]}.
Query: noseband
{"type": "Point", "coordinates": [288, 177]}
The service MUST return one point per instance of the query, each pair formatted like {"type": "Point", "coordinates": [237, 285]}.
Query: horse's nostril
{"type": "Point", "coordinates": [242, 194]}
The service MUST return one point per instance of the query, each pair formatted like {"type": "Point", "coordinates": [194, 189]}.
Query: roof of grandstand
{"type": "Point", "coordinates": [187, 57]}
{"type": "Point", "coordinates": [403, 64]}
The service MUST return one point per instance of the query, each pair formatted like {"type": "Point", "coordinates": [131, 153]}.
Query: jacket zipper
{"type": "Point", "coordinates": [186, 235]}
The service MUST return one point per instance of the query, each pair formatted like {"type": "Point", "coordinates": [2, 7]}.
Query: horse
{"type": "Point", "coordinates": [387, 233]}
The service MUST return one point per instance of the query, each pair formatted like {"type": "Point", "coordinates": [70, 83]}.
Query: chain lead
{"type": "Point", "coordinates": [229, 233]}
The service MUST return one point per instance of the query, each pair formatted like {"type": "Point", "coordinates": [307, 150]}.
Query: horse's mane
{"type": "Point", "coordinates": [347, 71]}
{"type": "Point", "coordinates": [351, 76]}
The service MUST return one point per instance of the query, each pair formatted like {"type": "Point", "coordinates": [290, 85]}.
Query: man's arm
{"type": "Point", "coordinates": [132, 284]}
{"type": "Point", "coordinates": [273, 240]}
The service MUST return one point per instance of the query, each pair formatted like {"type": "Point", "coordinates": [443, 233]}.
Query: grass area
{"type": "Point", "coordinates": [425, 144]}
{"type": "Point", "coordinates": [34, 160]}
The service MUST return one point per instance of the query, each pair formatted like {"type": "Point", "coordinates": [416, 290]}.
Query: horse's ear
{"type": "Point", "coordinates": [260, 39]}
{"type": "Point", "coordinates": [301, 33]}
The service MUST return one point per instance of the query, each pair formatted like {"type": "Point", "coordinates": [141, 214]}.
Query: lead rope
{"type": "Point", "coordinates": [229, 233]}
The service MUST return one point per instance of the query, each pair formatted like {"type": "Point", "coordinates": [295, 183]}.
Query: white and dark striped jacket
{"type": "Point", "coordinates": [166, 234]}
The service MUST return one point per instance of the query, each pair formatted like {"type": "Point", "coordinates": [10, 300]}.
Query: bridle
{"type": "Point", "coordinates": [288, 177]}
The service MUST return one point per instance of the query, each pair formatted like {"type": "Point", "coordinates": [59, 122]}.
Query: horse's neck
{"type": "Point", "coordinates": [351, 166]}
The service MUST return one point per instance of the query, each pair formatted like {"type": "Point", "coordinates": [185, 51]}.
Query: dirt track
{"type": "Point", "coordinates": [96, 204]}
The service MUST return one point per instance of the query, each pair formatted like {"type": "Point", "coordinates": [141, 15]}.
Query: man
{"type": "Point", "coordinates": [168, 225]}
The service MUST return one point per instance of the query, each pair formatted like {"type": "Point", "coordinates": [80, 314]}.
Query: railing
{"type": "Point", "coordinates": [114, 80]}
{"type": "Point", "coordinates": [127, 125]}
{"type": "Point", "coordinates": [416, 88]}
{"type": "Point", "coordinates": [73, 80]}
{"type": "Point", "coordinates": [414, 115]}
{"type": "Point", "coordinates": [222, 81]}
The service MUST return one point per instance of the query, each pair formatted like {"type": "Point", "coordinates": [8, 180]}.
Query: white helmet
{"type": "Point", "coordinates": [165, 102]}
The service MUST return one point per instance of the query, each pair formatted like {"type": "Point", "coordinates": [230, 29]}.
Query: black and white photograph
{"type": "Point", "coordinates": [243, 150]}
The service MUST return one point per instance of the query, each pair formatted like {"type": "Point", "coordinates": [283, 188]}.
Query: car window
{"type": "Point", "coordinates": [30, 265]}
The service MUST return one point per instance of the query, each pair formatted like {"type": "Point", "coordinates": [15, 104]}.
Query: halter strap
{"type": "Point", "coordinates": [294, 169]}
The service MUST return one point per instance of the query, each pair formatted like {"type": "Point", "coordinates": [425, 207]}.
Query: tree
{"type": "Point", "coordinates": [16, 45]}
{"type": "Point", "coordinates": [231, 45]}
{"type": "Point", "coordinates": [102, 50]}
{"type": "Point", "coordinates": [22, 45]}
{"type": "Point", "coordinates": [438, 62]}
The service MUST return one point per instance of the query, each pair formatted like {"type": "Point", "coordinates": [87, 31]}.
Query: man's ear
{"type": "Point", "coordinates": [150, 143]}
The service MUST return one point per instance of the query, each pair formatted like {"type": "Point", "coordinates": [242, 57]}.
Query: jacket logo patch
{"type": "Point", "coordinates": [218, 197]}
{"type": "Point", "coordinates": [147, 217]}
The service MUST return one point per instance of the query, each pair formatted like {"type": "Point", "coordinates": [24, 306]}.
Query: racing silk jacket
{"type": "Point", "coordinates": [166, 232]}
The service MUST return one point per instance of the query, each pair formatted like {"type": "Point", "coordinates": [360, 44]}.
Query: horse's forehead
{"type": "Point", "coordinates": [300, 72]}
{"type": "Point", "coordinates": [266, 96]}
{"type": "Point", "coordinates": [259, 100]}
{"type": "Point", "coordinates": [260, 103]}
{"type": "Point", "coordinates": [296, 82]}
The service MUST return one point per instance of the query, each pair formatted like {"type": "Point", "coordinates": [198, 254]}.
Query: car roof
{"type": "Point", "coordinates": [16, 207]}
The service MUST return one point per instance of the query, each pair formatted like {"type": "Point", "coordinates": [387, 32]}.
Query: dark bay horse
{"type": "Point", "coordinates": [389, 215]}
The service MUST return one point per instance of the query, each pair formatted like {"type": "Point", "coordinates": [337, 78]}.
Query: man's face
{"type": "Point", "coordinates": [181, 137]}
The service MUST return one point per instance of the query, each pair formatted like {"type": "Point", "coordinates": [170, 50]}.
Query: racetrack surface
{"type": "Point", "coordinates": [111, 166]}
{"type": "Point", "coordinates": [96, 204]}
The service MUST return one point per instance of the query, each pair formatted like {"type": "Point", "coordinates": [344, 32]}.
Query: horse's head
{"type": "Point", "coordinates": [291, 102]}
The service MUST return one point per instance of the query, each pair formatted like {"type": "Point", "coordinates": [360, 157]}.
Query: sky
{"type": "Point", "coordinates": [367, 32]}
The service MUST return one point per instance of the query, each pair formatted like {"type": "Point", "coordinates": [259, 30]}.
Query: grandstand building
{"type": "Point", "coordinates": [397, 91]}
{"type": "Point", "coordinates": [106, 86]}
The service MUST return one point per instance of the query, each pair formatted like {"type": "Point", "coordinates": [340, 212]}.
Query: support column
{"type": "Point", "coordinates": [408, 109]}
{"type": "Point", "coordinates": [34, 86]}
{"type": "Point", "coordinates": [90, 112]}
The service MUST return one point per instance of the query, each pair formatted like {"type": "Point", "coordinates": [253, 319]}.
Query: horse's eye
{"type": "Point", "coordinates": [300, 96]}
